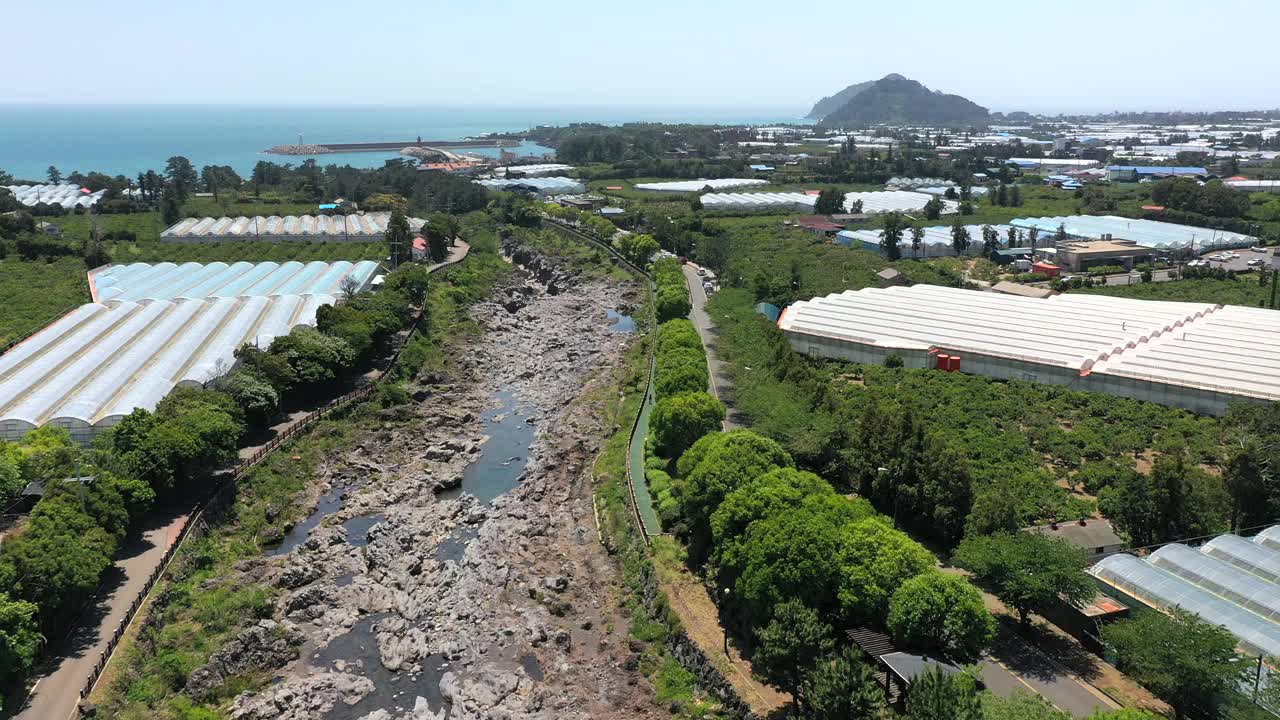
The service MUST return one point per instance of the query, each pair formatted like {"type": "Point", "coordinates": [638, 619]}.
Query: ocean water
{"type": "Point", "coordinates": [131, 139]}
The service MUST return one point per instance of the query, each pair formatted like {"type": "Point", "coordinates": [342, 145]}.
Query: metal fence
{"type": "Point", "coordinates": [225, 492]}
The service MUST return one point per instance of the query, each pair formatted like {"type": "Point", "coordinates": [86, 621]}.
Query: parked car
{"type": "Point", "coordinates": [1255, 262]}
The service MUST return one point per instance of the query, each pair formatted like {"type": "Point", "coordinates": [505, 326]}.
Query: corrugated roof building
{"type": "Point", "coordinates": [1197, 356]}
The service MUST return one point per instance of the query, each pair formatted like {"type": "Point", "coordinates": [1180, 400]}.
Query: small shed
{"type": "Point", "coordinates": [1093, 535]}
{"type": "Point", "coordinates": [32, 493]}
{"type": "Point", "coordinates": [612, 211]}
{"type": "Point", "coordinates": [890, 276]}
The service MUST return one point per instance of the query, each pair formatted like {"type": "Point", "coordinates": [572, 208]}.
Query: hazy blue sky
{"type": "Point", "coordinates": [1033, 55]}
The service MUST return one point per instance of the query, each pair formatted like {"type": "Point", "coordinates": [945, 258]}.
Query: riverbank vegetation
{"type": "Point", "coordinates": [205, 602]}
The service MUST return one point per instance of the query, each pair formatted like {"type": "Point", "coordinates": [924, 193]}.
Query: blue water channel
{"type": "Point", "coordinates": [619, 322]}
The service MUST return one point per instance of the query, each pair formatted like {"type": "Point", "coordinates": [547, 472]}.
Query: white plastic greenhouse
{"type": "Point", "coordinates": [542, 185]}
{"type": "Point", "coordinates": [96, 364]}
{"type": "Point", "coordinates": [1159, 235]}
{"type": "Point", "coordinates": [66, 195]}
{"type": "Point", "coordinates": [687, 186]}
{"type": "Point", "coordinates": [1222, 579]}
{"type": "Point", "coordinates": [882, 201]}
{"type": "Point", "coordinates": [1164, 590]}
{"type": "Point", "coordinates": [1251, 557]}
{"type": "Point", "coordinates": [169, 281]}
{"type": "Point", "coordinates": [368, 227]}
{"type": "Point", "coordinates": [1269, 538]}
{"type": "Point", "coordinates": [759, 201]}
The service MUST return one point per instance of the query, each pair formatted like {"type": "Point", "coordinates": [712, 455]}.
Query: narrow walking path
{"type": "Point", "coordinates": [721, 383]}
{"type": "Point", "coordinates": [56, 694]}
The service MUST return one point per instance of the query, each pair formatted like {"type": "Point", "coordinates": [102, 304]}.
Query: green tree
{"type": "Point", "coordinates": [679, 371]}
{"type": "Point", "coordinates": [891, 236]}
{"type": "Point", "coordinates": [679, 420]}
{"type": "Point", "coordinates": [933, 209]}
{"type": "Point", "coordinates": [959, 238]}
{"type": "Point", "coordinates": [20, 638]}
{"type": "Point", "coordinates": [728, 460]}
{"type": "Point", "coordinates": [1184, 660]}
{"type": "Point", "coordinates": [935, 695]}
{"type": "Point", "coordinates": [937, 613]}
{"type": "Point", "coordinates": [994, 510]}
{"type": "Point", "coordinates": [181, 176]}
{"type": "Point", "coordinates": [789, 646]}
{"type": "Point", "coordinates": [399, 238]}
{"type": "Point", "coordinates": [54, 175]}
{"type": "Point", "coordinates": [1176, 500]}
{"type": "Point", "coordinates": [873, 561]}
{"type": "Point", "coordinates": [917, 240]}
{"type": "Point", "coordinates": [1026, 570]}
{"type": "Point", "coordinates": [786, 556]}
{"type": "Point", "coordinates": [170, 206]}
{"type": "Point", "coordinates": [842, 687]}
{"type": "Point", "coordinates": [672, 303]}
{"type": "Point", "coordinates": [990, 241]}
{"type": "Point", "coordinates": [316, 359]}
{"type": "Point", "coordinates": [637, 248]}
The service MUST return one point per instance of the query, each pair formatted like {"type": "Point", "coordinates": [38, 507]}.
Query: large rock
{"type": "Point", "coordinates": [264, 646]}
{"type": "Point", "coordinates": [307, 698]}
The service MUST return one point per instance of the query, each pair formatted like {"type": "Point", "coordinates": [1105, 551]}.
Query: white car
{"type": "Point", "coordinates": [1255, 262]}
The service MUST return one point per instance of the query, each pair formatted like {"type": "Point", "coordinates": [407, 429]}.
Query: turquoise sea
{"type": "Point", "coordinates": [130, 139]}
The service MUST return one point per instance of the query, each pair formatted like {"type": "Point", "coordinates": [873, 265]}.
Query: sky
{"type": "Point", "coordinates": [1082, 56]}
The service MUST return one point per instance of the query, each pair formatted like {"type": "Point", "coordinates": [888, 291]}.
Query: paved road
{"type": "Point", "coordinates": [1013, 664]}
{"type": "Point", "coordinates": [721, 383]}
{"type": "Point", "coordinates": [58, 691]}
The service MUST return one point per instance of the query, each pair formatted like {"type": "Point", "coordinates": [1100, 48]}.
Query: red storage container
{"type": "Point", "coordinates": [944, 361]}
{"type": "Point", "coordinates": [955, 363]}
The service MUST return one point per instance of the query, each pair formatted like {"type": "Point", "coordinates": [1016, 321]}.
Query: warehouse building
{"type": "Point", "coordinates": [1196, 356]}
{"type": "Point", "coordinates": [152, 329]}
{"type": "Point", "coordinates": [1225, 592]}
{"type": "Point", "coordinates": [1080, 256]}
{"type": "Point", "coordinates": [1134, 173]}
{"type": "Point", "coordinates": [364, 227]}
{"type": "Point", "coordinates": [1162, 236]}
{"type": "Point", "coordinates": [689, 186]}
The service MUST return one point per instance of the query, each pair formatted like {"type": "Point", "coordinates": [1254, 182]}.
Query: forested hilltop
{"type": "Point", "coordinates": [896, 99]}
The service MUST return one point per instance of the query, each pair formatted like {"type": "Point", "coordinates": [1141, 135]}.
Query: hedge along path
{"type": "Point", "coordinates": [641, 499]}
{"type": "Point", "coordinates": [198, 524]}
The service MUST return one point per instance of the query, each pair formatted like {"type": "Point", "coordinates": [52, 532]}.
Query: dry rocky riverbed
{"type": "Point", "coordinates": [415, 598]}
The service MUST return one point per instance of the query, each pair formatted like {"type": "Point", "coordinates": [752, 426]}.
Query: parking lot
{"type": "Point", "coordinates": [1240, 262]}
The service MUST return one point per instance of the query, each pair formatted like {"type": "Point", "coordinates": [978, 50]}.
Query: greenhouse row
{"type": "Point", "coordinates": [882, 201]}
{"type": "Point", "coordinates": [364, 227]}
{"type": "Point", "coordinates": [170, 281]}
{"type": "Point", "coordinates": [942, 190]}
{"type": "Point", "coordinates": [540, 185]}
{"type": "Point", "coordinates": [1199, 582]}
{"type": "Point", "coordinates": [937, 241]}
{"type": "Point", "coordinates": [532, 170]}
{"type": "Point", "coordinates": [700, 185]}
{"type": "Point", "coordinates": [98, 363]}
{"type": "Point", "coordinates": [67, 195]}
{"type": "Point", "coordinates": [1158, 235]}
{"type": "Point", "coordinates": [911, 183]}
{"type": "Point", "coordinates": [760, 201]}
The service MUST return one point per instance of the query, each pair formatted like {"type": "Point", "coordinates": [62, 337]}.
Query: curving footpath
{"type": "Point", "coordinates": [83, 654]}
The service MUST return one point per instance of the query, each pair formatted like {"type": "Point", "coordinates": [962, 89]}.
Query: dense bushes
{"type": "Point", "coordinates": [798, 559]}
{"type": "Point", "coordinates": [672, 293]}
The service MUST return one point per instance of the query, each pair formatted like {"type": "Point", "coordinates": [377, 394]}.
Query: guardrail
{"type": "Point", "coordinates": [653, 342]}
{"type": "Point", "coordinates": [224, 494]}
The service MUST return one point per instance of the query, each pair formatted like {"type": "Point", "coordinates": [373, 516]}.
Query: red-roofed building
{"type": "Point", "coordinates": [1045, 268]}
{"type": "Point", "coordinates": [420, 249]}
{"type": "Point", "coordinates": [818, 224]}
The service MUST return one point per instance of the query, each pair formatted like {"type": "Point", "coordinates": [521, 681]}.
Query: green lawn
{"type": "Point", "coordinates": [33, 294]}
{"type": "Point", "coordinates": [1241, 291]}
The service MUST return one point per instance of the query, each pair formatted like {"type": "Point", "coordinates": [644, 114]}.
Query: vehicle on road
{"type": "Point", "coordinates": [1255, 262]}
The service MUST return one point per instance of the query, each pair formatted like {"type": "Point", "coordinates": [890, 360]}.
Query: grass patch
{"type": "Point", "coordinates": [1241, 291]}
{"type": "Point", "coordinates": [34, 294]}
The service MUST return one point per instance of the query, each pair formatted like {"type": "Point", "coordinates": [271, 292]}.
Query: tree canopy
{"type": "Point", "coordinates": [1027, 570]}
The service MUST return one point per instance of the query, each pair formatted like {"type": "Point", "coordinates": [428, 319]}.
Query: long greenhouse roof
{"type": "Point", "coordinates": [169, 281]}
{"type": "Point", "coordinates": [881, 201]}
{"type": "Point", "coordinates": [101, 361]}
{"type": "Point", "coordinates": [1228, 349]}
{"type": "Point", "coordinates": [1167, 590]}
{"type": "Point", "coordinates": [698, 185]}
{"type": "Point", "coordinates": [370, 225]}
{"type": "Point", "coordinates": [1145, 232]}
{"type": "Point", "coordinates": [935, 235]}
{"type": "Point", "coordinates": [541, 184]}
